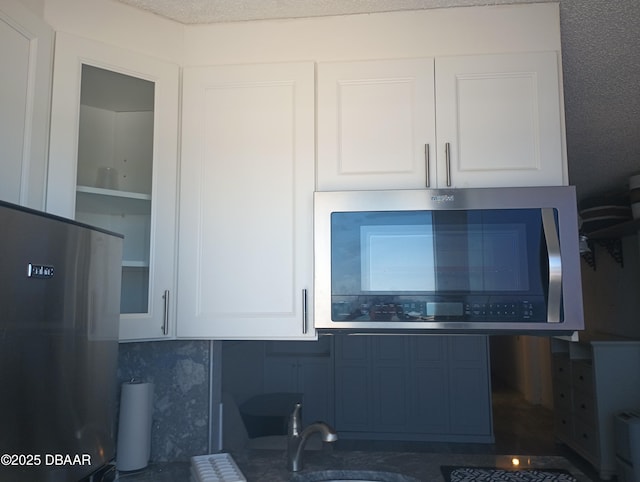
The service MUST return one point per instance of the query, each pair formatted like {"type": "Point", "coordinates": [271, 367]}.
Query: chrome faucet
{"type": "Point", "coordinates": [297, 437]}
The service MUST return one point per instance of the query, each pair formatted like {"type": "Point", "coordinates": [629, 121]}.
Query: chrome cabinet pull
{"type": "Point", "coordinates": [555, 265]}
{"type": "Point", "coordinates": [165, 320]}
{"type": "Point", "coordinates": [447, 157]}
{"type": "Point", "coordinates": [427, 163]}
{"type": "Point", "coordinates": [304, 311]}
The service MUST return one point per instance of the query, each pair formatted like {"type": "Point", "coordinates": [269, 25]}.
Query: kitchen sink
{"type": "Point", "coordinates": [352, 476]}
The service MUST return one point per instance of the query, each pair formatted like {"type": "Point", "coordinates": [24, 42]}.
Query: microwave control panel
{"type": "Point", "coordinates": [465, 309]}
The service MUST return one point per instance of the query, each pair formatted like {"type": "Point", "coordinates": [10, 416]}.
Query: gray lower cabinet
{"type": "Point", "coordinates": [423, 388]}
{"type": "Point", "coordinates": [303, 368]}
{"type": "Point", "coordinates": [592, 381]}
{"type": "Point", "coordinates": [430, 388]}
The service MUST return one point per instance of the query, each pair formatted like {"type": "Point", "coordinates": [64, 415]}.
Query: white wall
{"type": "Point", "coordinates": [119, 25]}
{"type": "Point", "coordinates": [381, 35]}
{"type": "Point", "coordinates": [612, 293]}
{"type": "Point", "coordinates": [492, 29]}
{"type": "Point", "coordinates": [36, 6]}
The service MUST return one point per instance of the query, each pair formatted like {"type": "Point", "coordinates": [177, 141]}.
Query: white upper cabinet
{"type": "Point", "coordinates": [26, 50]}
{"type": "Point", "coordinates": [113, 164]}
{"type": "Point", "coordinates": [260, 131]}
{"type": "Point", "coordinates": [376, 124]}
{"type": "Point", "coordinates": [497, 118]}
{"type": "Point", "coordinates": [246, 199]}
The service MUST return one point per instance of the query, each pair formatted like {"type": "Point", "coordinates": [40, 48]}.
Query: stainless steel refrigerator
{"type": "Point", "coordinates": [59, 315]}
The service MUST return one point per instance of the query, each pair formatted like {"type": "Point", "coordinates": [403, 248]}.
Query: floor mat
{"type": "Point", "coordinates": [490, 474]}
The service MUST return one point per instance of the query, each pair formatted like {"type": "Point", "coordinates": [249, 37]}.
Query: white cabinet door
{"type": "Point", "coordinates": [26, 50]}
{"type": "Point", "coordinates": [113, 164]}
{"type": "Point", "coordinates": [498, 120]}
{"type": "Point", "coordinates": [500, 116]}
{"type": "Point", "coordinates": [376, 124]}
{"type": "Point", "coordinates": [247, 178]}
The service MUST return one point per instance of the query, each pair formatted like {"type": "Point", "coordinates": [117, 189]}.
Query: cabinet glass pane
{"type": "Point", "coordinates": [114, 176]}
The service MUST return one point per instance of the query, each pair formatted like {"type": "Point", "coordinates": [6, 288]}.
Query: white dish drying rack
{"type": "Point", "coordinates": [215, 468]}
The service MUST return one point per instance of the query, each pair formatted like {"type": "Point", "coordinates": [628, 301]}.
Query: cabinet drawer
{"type": "Point", "coordinates": [562, 369]}
{"type": "Point", "coordinates": [582, 376]}
{"type": "Point", "coordinates": [563, 424]}
{"type": "Point", "coordinates": [586, 437]}
{"type": "Point", "coordinates": [584, 407]}
{"type": "Point", "coordinates": [561, 396]}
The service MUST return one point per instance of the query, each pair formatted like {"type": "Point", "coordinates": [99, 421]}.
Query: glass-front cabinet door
{"type": "Point", "coordinates": [115, 170]}
{"type": "Point", "coordinates": [113, 164]}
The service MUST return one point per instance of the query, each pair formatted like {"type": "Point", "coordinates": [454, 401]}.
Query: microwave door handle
{"type": "Point", "coordinates": [555, 265]}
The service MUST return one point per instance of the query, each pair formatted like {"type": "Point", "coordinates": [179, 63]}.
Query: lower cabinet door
{"type": "Point", "coordinates": [563, 423]}
{"type": "Point", "coordinates": [432, 388]}
{"type": "Point", "coordinates": [430, 379]}
{"type": "Point", "coordinates": [470, 388]}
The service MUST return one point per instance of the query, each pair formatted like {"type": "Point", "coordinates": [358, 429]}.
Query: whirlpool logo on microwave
{"type": "Point", "coordinates": [443, 198]}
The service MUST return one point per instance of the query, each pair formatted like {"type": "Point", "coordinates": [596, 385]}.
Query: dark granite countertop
{"type": "Point", "coordinates": [270, 465]}
{"type": "Point", "coordinates": [263, 465]}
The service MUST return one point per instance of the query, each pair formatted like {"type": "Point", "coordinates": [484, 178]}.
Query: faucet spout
{"type": "Point", "coordinates": [296, 438]}
{"type": "Point", "coordinates": [326, 431]}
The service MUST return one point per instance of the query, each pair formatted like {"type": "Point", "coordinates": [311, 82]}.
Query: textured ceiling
{"type": "Point", "coordinates": [601, 65]}
{"type": "Point", "coordinates": [212, 11]}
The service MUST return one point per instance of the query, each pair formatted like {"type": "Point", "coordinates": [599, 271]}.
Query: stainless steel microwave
{"type": "Point", "coordinates": [458, 260]}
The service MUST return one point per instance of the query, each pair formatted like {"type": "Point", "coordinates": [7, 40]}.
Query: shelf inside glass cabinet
{"type": "Point", "coordinates": [127, 213]}
{"type": "Point", "coordinates": [111, 201]}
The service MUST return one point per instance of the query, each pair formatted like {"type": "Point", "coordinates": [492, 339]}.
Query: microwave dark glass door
{"type": "Point", "coordinates": [450, 265]}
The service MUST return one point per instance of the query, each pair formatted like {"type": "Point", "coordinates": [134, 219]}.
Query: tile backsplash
{"type": "Point", "coordinates": [180, 372]}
